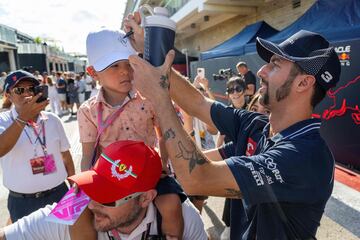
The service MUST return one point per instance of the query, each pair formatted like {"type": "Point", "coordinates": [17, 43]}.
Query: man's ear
{"type": "Point", "coordinates": [7, 95]}
{"type": "Point", "coordinates": [147, 197]}
{"type": "Point", "coordinates": [305, 83]}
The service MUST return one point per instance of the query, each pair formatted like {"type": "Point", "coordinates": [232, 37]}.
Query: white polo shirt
{"type": "Point", "coordinates": [17, 172]}
{"type": "Point", "coordinates": [35, 227]}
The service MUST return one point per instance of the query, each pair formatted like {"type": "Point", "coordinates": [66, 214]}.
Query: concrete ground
{"type": "Point", "coordinates": [341, 219]}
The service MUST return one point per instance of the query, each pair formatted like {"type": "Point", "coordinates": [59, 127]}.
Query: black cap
{"type": "Point", "coordinates": [15, 77]}
{"type": "Point", "coordinates": [310, 51]}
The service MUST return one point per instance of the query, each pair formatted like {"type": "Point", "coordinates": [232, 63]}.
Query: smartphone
{"type": "Point", "coordinates": [41, 89]}
{"type": "Point", "coordinates": [201, 72]}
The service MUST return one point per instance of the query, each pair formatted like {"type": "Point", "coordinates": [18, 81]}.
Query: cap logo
{"type": "Point", "coordinates": [326, 76]}
{"type": "Point", "coordinates": [14, 78]}
{"type": "Point", "coordinates": [120, 171]}
{"type": "Point", "coordinates": [123, 41]}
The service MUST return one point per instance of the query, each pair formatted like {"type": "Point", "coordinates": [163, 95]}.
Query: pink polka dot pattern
{"type": "Point", "coordinates": [136, 122]}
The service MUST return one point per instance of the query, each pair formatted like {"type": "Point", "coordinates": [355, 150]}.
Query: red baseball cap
{"type": "Point", "coordinates": [123, 168]}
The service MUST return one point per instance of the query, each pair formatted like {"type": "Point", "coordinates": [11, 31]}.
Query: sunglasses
{"type": "Point", "coordinates": [22, 90]}
{"type": "Point", "coordinates": [122, 201]}
{"type": "Point", "coordinates": [234, 89]}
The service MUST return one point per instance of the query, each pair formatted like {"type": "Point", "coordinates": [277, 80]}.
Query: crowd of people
{"type": "Point", "coordinates": [140, 160]}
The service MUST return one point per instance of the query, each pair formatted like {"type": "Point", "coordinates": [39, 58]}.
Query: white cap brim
{"type": "Point", "coordinates": [109, 59]}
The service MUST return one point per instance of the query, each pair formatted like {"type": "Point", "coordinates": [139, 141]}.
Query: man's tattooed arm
{"type": "Point", "coordinates": [169, 134]}
{"type": "Point", "coordinates": [164, 82]}
{"type": "Point", "coordinates": [194, 156]}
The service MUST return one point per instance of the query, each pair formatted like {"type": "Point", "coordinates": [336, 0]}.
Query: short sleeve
{"type": "Point", "coordinates": [281, 174]}
{"type": "Point", "coordinates": [193, 225]}
{"type": "Point", "coordinates": [230, 121]}
{"type": "Point", "coordinates": [35, 227]}
{"type": "Point", "coordinates": [64, 141]}
{"type": "Point", "coordinates": [87, 129]}
{"type": "Point", "coordinates": [4, 121]}
{"type": "Point", "coordinates": [227, 150]}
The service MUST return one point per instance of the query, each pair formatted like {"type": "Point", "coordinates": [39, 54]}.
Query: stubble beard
{"type": "Point", "coordinates": [118, 222]}
{"type": "Point", "coordinates": [282, 92]}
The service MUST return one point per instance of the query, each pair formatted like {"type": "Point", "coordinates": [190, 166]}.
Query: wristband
{"type": "Point", "coordinates": [21, 121]}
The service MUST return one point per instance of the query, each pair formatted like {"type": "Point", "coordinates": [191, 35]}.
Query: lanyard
{"type": "Point", "coordinates": [116, 235]}
{"type": "Point", "coordinates": [102, 125]}
{"type": "Point", "coordinates": [43, 141]}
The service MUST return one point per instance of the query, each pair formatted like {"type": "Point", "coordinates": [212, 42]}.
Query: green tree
{"type": "Point", "coordinates": [38, 40]}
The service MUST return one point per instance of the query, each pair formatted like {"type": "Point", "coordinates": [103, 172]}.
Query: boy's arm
{"type": "Point", "coordinates": [170, 208]}
{"type": "Point", "coordinates": [88, 133]}
{"type": "Point", "coordinates": [87, 153]}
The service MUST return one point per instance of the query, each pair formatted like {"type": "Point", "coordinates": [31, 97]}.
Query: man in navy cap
{"type": "Point", "coordinates": [34, 150]}
{"type": "Point", "coordinates": [280, 167]}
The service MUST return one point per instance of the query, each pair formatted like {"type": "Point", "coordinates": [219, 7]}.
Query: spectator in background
{"type": "Point", "coordinates": [235, 90]}
{"type": "Point", "coordinates": [53, 75]}
{"type": "Point", "coordinates": [45, 75]}
{"type": "Point", "coordinates": [6, 104]}
{"type": "Point", "coordinates": [89, 85]}
{"type": "Point", "coordinates": [2, 80]}
{"type": "Point", "coordinates": [39, 77]}
{"type": "Point", "coordinates": [80, 82]}
{"type": "Point", "coordinates": [72, 93]}
{"type": "Point", "coordinates": [61, 89]}
{"type": "Point", "coordinates": [34, 150]}
{"type": "Point", "coordinates": [256, 106]}
{"type": "Point", "coordinates": [249, 77]}
{"type": "Point", "coordinates": [53, 97]}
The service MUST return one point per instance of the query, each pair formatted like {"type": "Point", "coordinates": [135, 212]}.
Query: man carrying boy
{"type": "Point", "coordinates": [119, 113]}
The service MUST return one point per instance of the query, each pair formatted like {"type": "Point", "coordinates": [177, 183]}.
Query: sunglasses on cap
{"type": "Point", "coordinates": [234, 89]}
{"type": "Point", "coordinates": [22, 90]}
{"type": "Point", "coordinates": [122, 201]}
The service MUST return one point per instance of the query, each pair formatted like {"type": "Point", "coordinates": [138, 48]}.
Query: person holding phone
{"type": "Point", "coordinates": [34, 150]}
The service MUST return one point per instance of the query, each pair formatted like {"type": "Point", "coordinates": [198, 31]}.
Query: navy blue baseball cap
{"type": "Point", "coordinates": [310, 51]}
{"type": "Point", "coordinates": [15, 77]}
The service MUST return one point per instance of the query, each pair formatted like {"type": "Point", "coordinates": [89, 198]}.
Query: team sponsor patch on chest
{"type": "Point", "coordinates": [251, 147]}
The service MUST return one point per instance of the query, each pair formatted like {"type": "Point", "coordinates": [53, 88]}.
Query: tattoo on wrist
{"type": "Point", "coordinates": [232, 193]}
{"type": "Point", "coordinates": [169, 134]}
{"type": "Point", "coordinates": [194, 156]}
{"type": "Point", "coordinates": [164, 81]}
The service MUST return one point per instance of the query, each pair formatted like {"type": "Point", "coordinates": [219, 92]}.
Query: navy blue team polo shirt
{"type": "Point", "coordinates": [285, 180]}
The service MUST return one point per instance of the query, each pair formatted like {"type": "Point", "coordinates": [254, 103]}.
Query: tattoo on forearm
{"type": "Point", "coordinates": [193, 156]}
{"type": "Point", "coordinates": [164, 82]}
{"type": "Point", "coordinates": [232, 193]}
{"type": "Point", "coordinates": [169, 134]}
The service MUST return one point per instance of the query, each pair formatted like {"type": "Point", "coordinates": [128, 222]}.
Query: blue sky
{"type": "Point", "coordinates": [65, 22]}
